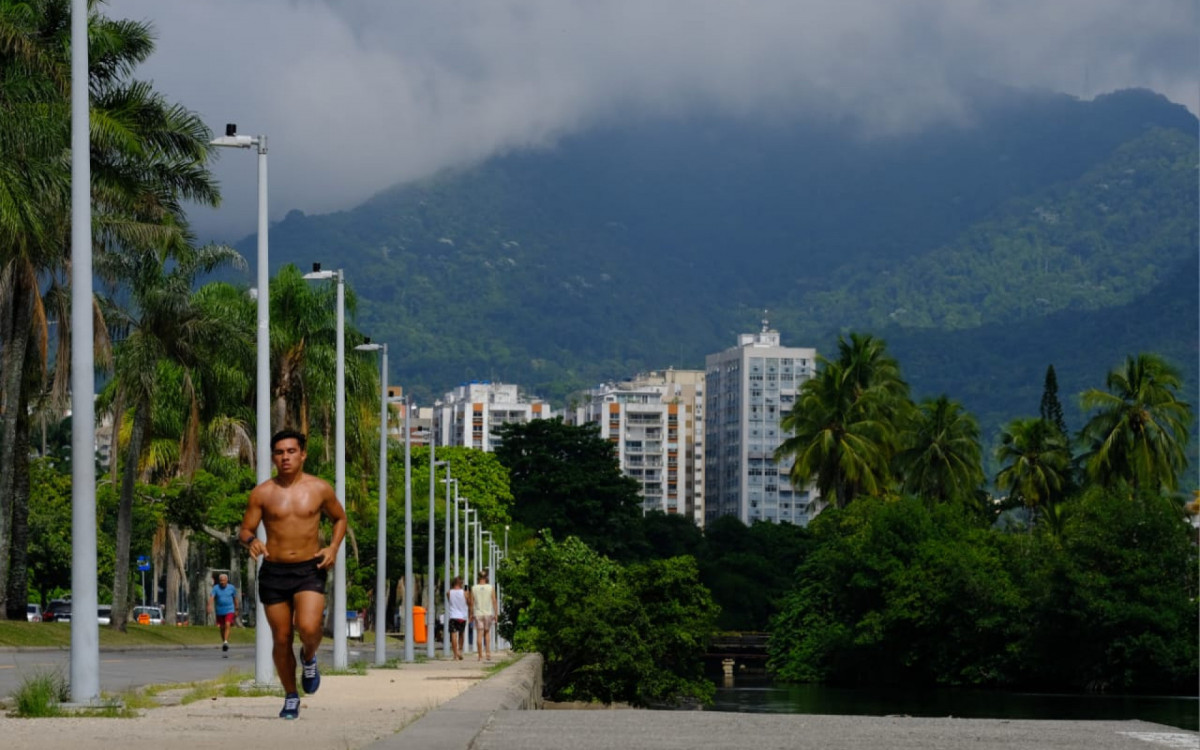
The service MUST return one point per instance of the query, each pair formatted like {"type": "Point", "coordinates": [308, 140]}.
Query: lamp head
{"type": "Point", "coordinates": [317, 274]}
{"type": "Point", "coordinates": [231, 139]}
{"type": "Point", "coordinates": [366, 345]}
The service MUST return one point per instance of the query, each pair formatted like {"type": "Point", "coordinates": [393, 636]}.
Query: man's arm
{"type": "Point", "coordinates": [248, 534]}
{"type": "Point", "coordinates": [495, 604]}
{"type": "Point", "coordinates": [470, 604]}
{"type": "Point", "coordinates": [332, 508]}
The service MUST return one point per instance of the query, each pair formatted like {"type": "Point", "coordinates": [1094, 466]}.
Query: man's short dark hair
{"type": "Point", "coordinates": [289, 433]}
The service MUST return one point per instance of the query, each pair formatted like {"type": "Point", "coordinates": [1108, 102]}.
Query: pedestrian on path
{"type": "Point", "coordinates": [457, 613]}
{"type": "Point", "coordinates": [291, 582]}
{"type": "Point", "coordinates": [224, 602]}
{"type": "Point", "coordinates": [482, 605]}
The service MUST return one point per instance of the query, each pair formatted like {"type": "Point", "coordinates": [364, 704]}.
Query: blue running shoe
{"type": "Point", "coordinates": [291, 707]}
{"type": "Point", "coordinates": [310, 678]}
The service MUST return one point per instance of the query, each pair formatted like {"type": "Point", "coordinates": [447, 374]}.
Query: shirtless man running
{"type": "Point", "coordinates": [291, 581]}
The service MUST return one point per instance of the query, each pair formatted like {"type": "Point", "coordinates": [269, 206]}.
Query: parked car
{"type": "Point", "coordinates": [148, 615]}
{"type": "Point", "coordinates": [33, 612]}
{"type": "Point", "coordinates": [58, 610]}
{"type": "Point", "coordinates": [105, 614]}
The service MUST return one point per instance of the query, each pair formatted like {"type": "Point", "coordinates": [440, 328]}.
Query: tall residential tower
{"type": "Point", "coordinates": [748, 390]}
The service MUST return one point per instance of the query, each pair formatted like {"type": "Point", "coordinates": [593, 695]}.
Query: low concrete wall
{"type": "Point", "coordinates": [455, 724]}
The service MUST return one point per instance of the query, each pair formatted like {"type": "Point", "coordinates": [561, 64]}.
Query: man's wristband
{"type": "Point", "coordinates": [249, 541]}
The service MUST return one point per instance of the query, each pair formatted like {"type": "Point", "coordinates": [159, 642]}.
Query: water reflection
{"type": "Point", "coordinates": [756, 693]}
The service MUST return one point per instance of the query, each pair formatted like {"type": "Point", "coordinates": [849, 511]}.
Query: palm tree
{"type": "Point", "coordinates": [940, 458]}
{"type": "Point", "coordinates": [1139, 431]}
{"type": "Point", "coordinates": [1036, 460]}
{"type": "Point", "coordinates": [147, 157]}
{"type": "Point", "coordinates": [844, 422]}
{"type": "Point", "coordinates": [167, 331]}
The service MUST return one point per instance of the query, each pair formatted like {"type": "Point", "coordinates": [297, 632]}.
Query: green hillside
{"type": "Point", "coordinates": [1047, 230]}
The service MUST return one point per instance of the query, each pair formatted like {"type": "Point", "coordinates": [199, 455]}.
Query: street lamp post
{"type": "Point", "coordinates": [467, 569]}
{"type": "Point", "coordinates": [446, 562]}
{"type": "Point", "coordinates": [339, 568]}
{"type": "Point", "coordinates": [85, 632]}
{"type": "Point", "coordinates": [431, 574]}
{"type": "Point", "coordinates": [408, 571]}
{"type": "Point", "coordinates": [264, 666]}
{"type": "Point", "coordinates": [381, 535]}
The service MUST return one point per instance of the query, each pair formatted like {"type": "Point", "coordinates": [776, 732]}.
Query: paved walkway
{"type": "Point", "coordinates": [349, 711]}
{"type": "Point", "coordinates": [449, 705]}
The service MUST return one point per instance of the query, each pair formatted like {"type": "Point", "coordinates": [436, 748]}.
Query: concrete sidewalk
{"type": "Point", "coordinates": [349, 711]}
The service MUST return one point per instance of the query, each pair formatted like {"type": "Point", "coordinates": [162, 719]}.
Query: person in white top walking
{"type": "Point", "coordinates": [482, 604]}
{"type": "Point", "coordinates": [457, 613]}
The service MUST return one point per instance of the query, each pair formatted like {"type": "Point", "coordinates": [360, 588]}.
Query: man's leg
{"type": "Point", "coordinates": [310, 606]}
{"type": "Point", "coordinates": [279, 617]}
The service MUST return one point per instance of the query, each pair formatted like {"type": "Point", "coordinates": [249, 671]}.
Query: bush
{"type": "Point", "coordinates": [608, 633]}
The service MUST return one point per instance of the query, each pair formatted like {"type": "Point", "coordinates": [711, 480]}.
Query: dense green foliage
{"type": "Point", "coordinates": [750, 569]}
{"type": "Point", "coordinates": [566, 479]}
{"type": "Point", "coordinates": [898, 592]}
{"type": "Point", "coordinates": [609, 633]}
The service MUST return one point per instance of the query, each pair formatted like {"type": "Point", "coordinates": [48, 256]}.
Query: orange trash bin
{"type": "Point", "coordinates": [418, 624]}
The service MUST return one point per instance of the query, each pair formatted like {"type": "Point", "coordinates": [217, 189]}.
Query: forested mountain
{"type": "Point", "coordinates": [1043, 230]}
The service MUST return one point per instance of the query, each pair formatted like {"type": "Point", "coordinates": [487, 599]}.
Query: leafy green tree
{"type": "Point", "coordinates": [608, 633]}
{"type": "Point", "coordinates": [49, 531]}
{"type": "Point", "coordinates": [940, 459]}
{"type": "Point", "coordinates": [1112, 601]}
{"type": "Point", "coordinates": [666, 535]}
{"type": "Point", "coordinates": [1036, 462]}
{"type": "Point", "coordinates": [566, 479]}
{"type": "Point", "coordinates": [749, 569]}
{"type": "Point", "coordinates": [1138, 431]}
{"type": "Point", "coordinates": [845, 421]}
{"type": "Point", "coordinates": [897, 592]}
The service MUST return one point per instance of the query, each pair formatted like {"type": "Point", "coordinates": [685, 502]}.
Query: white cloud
{"type": "Point", "coordinates": [356, 95]}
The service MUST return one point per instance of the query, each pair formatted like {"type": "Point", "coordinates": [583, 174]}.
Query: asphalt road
{"type": "Point", "coordinates": [121, 670]}
{"type": "Point", "coordinates": [672, 730]}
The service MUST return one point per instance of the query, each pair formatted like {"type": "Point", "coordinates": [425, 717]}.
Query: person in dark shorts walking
{"type": "Point", "coordinates": [456, 608]}
{"type": "Point", "coordinates": [291, 581]}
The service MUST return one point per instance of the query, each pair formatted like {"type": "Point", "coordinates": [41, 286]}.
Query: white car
{"type": "Point", "coordinates": [148, 615]}
{"type": "Point", "coordinates": [33, 612]}
{"type": "Point", "coordinates": [105, 612]}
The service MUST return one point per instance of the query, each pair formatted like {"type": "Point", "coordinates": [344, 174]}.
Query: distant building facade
{"type": "Point", "coordinates": [467, 415]}
{"type": "Point", "coordinates": [748, 390]}
{"type": "Point", "coordinates": [656, 423]}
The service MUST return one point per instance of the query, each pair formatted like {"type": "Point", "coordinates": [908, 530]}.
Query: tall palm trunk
{"type": "Point", "coordinates": [18, 578]}
{"type": "Point", "coordinates": [177, 546]}
{"type": "Point", "coordinates": [15, 352]}
{"type": "Point", "coordinates": [121, 591]}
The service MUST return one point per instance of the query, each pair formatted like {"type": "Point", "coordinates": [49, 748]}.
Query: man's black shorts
{"type": "Point", "coordinates": [279, 582]}
{"type": "Point", "coordinates": [457, 626]}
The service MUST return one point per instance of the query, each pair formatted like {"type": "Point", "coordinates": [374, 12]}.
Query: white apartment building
{"type": "Point", "coordinates": [467, 415]}
{"type": "Point", "coordinates": [748, 390]}
{"type": "Point", "coordinates": [656, 423]}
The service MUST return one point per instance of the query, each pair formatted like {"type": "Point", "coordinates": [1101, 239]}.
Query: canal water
{"type": "Point", "coordinates": [756, 693]}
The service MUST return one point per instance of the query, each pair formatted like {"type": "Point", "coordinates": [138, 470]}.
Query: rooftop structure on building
{"type": "Point", "coordinates": [655, 421]}
{"type": "Point", "coordinates": [467, 415]}
{"type": "Point", "coordinates": [749, 388]}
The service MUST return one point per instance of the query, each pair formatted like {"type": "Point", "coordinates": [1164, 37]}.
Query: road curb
{"type": "Point", "coordinates": [455, 724]}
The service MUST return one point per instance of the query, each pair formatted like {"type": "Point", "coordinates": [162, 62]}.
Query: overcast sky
{"type": "Point", "coordinates": [357, 95]}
